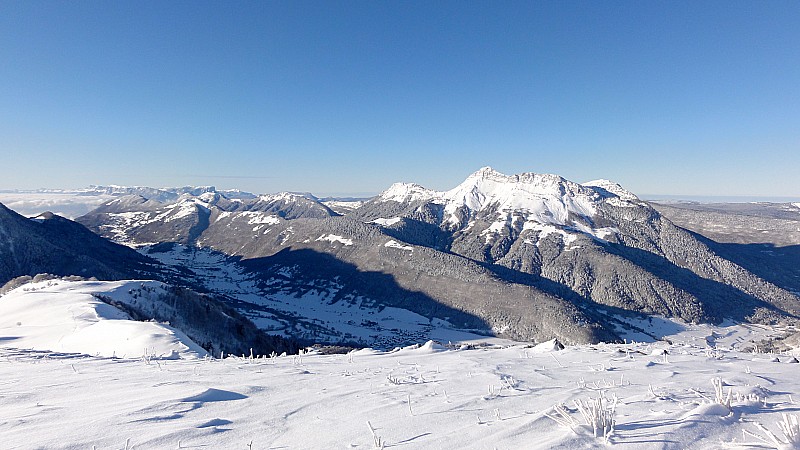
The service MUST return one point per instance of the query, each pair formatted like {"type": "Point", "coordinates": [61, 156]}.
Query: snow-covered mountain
{"type": "Point", "coordinates": [532, 201]}
{"type": "Point", "coordinates": [137, 219]}
{"type": "Point", "coordinates": [595, 239]}
{"type": "Point", "coordinates": [162, 194]}
{"type": "Point", "coordinates": [71, 203]}
{"type": "Point", "coordinates": [526, 256]}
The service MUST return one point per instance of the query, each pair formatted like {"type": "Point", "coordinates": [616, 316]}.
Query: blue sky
{"type": "Point", "coordinates": [683, 98]}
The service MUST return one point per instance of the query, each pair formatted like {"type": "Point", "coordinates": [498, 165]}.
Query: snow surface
{"type": "Point", "coordinates": [542, 197]}
{"type": "Point", "coordinates": [282, 196]}
{"type": "Point", "coordinates": [257, 217]}
{"type": "Point", "coordinates": [419, 397]}
{"type": "Point", "coordinates": [613, 188]}
{"type": "Point", "coordinates": [179, 210]}
{"type": "Point", "coordinates": [463, 392]}
{"type": "Point", "coordinates": [64, 316]}
{"type": "Point", "coordinates": [344, 205]}
{"type": "Point", "coordinates": [546, 230]}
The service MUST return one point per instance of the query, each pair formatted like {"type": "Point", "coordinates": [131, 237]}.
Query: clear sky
{"type": "Point", "coordinates": [332, 97]}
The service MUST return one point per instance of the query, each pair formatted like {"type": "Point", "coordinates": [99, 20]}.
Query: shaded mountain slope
{"type": "Point", "coordinates": [56, 245]}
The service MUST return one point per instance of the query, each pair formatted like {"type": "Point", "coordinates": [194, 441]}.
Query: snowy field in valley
{"type": "Point", "coordinates": [312, 314]}
{"type": "Point", "coordinates": [697, 392]}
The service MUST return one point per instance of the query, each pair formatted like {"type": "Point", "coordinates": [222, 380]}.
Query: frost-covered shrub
{"type": "Point", "coordinates": [790, 428]}
{"type": "Point", "coordinates": [598, 414]}
{"type": "Point", "coordinates": [15, 283]}
{"type": "Point", "coordinates": [27, 279]}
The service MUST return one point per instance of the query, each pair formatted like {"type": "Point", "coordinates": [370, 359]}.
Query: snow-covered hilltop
{"type": "Point", "coordinates": [408, 192]}
{"type": "Point", "coordinates": [128, 318]}
{"type": "Point", "coordinates": [70, 317]}
{"type": "Point", "coordinates": [544, 198]}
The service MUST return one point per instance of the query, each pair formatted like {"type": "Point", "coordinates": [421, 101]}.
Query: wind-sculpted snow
{"type": "Point", "coordinates": [696, 389]}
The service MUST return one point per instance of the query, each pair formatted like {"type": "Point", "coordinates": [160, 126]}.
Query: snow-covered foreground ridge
{"type": "Point", "coordinates": [67, 316]}
{"type": "Point", "coordinates": [655, 396]}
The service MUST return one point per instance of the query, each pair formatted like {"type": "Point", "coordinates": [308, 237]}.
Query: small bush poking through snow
{"type": "Point", "coordinates": [598, 414]}
{"type": "Point", "coordinates": [719, 395]}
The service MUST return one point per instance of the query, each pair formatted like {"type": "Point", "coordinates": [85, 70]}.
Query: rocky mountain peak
{"type": "Point", "coordinates": [407, 192]}
{"type": "Point", "coordinates": [538, 198]}
{"type": "Point", "coordinates": [613, 188]}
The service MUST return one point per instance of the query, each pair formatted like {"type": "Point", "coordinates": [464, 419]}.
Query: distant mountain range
{"type": "Point", "coordinates": [527, 256]}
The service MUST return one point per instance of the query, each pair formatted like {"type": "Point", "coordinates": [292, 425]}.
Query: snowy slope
{"type": "Point", "coordinates": [596, 238]}
{"type": "Point", "coordinates": [423, 397]}
{"type": "Point", "coordinates": [343, 206]}
{"type": "Point", "coordinates": [66, 317]}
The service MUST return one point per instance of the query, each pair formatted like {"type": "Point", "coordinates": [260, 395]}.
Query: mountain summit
{"type": "Point", "coordinates": [529, 201]}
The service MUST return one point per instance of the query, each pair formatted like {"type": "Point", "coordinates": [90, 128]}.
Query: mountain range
{"type": "Point", "coordinates": [529, 257]}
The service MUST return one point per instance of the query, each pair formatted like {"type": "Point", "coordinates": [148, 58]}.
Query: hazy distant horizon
{"type": "Point", "coordinates": [666, 198]}
{"type": "Point", "coordinates": [718, 198]}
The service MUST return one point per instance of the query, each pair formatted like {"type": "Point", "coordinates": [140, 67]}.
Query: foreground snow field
{"type": "Point", "coordinates": [425, 397]}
